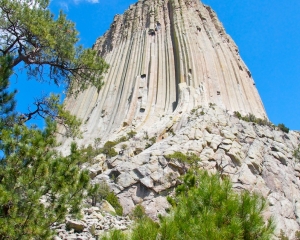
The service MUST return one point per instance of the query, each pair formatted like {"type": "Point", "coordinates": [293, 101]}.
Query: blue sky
{"type": "Point", "coordinates": [266, 32]}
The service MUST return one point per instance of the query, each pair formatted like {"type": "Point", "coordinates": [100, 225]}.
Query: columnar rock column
{"type": "Point", "coordinates": [165, 56]}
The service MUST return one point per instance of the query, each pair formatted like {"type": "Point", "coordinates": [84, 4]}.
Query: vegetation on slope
{"type": "Point", "coordinates": [263, 122]}
{"type": "Point", "coordinates": [205, 207]}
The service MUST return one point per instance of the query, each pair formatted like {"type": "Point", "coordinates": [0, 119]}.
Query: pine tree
{"type": "Point", "coordinates": [38, 186]}
{"type": "Point", "coordinates": [206, 207]}
{"type": "Point", "coordinates": [49, 49]}
{"type": "Point", "coordinates": [7, 101]}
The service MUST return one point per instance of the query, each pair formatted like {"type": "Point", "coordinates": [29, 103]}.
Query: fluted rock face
{"type": "Point", "coordinates": [165, 56]}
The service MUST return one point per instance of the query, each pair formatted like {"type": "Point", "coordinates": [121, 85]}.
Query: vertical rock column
{"type": "Point", "coordinates": [157, 51]}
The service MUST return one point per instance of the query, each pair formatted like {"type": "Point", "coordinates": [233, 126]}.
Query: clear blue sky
{"type": "Point", "coordinates": [266, 32]}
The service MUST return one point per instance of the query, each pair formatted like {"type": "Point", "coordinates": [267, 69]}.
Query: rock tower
{"type": "Point", "coordinates": [165, 56]}
{"type": "Point", "coordinates": [174, 81]}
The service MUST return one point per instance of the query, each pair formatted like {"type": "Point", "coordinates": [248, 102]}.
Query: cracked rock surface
{"type": "Point", "coordinates": [256, 158]}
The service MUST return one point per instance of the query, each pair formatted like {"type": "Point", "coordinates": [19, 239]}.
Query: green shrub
{"type": "Point", "coordinates": [138, 213]}
{"type": "Point", "coordinates": [189, 158]}
{"type": "Point", "coordinates": [171, 131]}
{"type": "Point", "coordinates": [207, 208]}
{"type": "Point", "coordinates": [110, 152]}
{"type": "Point", "coordinates": [108, 149]}
{"type": "Point", "coordinates": [296, 153]}
{"type": "Point", "coordinates": [212, 105]}
{"type": "Point", "coordinates": [114, 201]}
{"type": "Point", "coordinates": [89, 153]}
{"type": "Point", "coordinates": [146, 137]}
{"type": "Point", "coordinates": [238, 115]}
{"type": "Point", "coordinates": [193, 110]}
{"type": "Point", "coordinates": [282, 235]}
{"type": "Point", "coordinates": [150, 142]}
{"type": "Point", "coordinates": [251, 118]}
{"type": "Point", "coordinates": [121, 139]}
{"type": "Point", "coordinates": [109, 144]}
{"type": "Point", "coordinates": [115, 235]}
{"type": "Point", "coordinates": [99, 192]}
{"type": "Point", "coordinates": [97, 142]}
{"type": "Point", "coordinates": [93, 230]}
{"type": "Point", "coordinates": [131, 134]}
{"type": "Point", "coordinates": [283, 128]}
{"type": "Point", "coordinates": [297, 235]}
{"type": "Point", "coordinates": [146, 229]}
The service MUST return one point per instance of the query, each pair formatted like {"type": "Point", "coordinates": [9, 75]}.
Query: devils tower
{"type": "Point", "coordinates": [175, 79]}
{"type": "Point", "coordinates": [166, 56]}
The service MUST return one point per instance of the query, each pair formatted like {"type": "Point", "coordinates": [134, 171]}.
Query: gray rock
{"type": "Point", "coordinates": [77, 225]}
{"type": "Point", "coordinates": [227, 134]}
{"type": "Point", "coordinates": [125, 180]}
{"type": "Point", "coordinates": [147, 182]}
{"type": "Point", "coordinates": [215, 142]}
{"type": "Point", "coordinates": [207, 154]}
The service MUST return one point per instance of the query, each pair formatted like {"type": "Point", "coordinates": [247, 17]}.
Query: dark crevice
{"type": "Point", "coordinates": [175, 53]}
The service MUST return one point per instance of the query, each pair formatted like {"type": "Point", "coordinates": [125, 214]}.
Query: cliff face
{"type": "Point", "coordinates": [165, 56]}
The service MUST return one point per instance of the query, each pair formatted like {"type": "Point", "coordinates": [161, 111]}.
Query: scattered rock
{"type": "Point", "coordinates": [78, 226]}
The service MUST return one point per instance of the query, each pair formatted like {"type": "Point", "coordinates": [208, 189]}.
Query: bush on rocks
{"type": "Point", "coordinates": [206, 207]}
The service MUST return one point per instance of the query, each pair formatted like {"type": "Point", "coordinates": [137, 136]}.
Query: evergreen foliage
{"type": "Point", "coordinates": [283, 128]}
{"type": "Point", "coordinates": [7, 102]}
{"type": "Point", "coordinates": [296, 153]}
{"type": "Point", "coordinates": [99, 192]}
{"type": "Point", "coordinates": [297, 235]}
{"type": "Point", "coordinates": [150, 142]}
{"type": "Point", "coordinates": [138, 213]}
{"type": "Point", "coordinates": [49, 49]}
{"type": "Point", "coordinates": [50, 107]}
{"type": "Point", "coordinates": [251, 118]}
{"type": "Point", "coordinates": [263, 122]}
{"type": "Point", "coordinates": [282, 235]}
{"type": "Point", "coordinates": [206, 207]}
{"type": "Point", "coordinates": [190, 158]}
{"type": "Point", "coordinates": [114, 201]}
{"type": "Point", "coordinates": [102, 191]}
{"type": "Point", "coordinates": [91, 152]}
{"type": "Point", "coordinates": [109, 150]}
{"type": "Point", "coordinates": [131, 134]}
{"type": "Point", "coordinates": [38, 186]}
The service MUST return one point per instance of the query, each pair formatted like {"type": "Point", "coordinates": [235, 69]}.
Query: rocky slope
{"type": "Point", "coordinates": [96, 221]}
{"type": "Point", "coordinates": [257, 158]}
